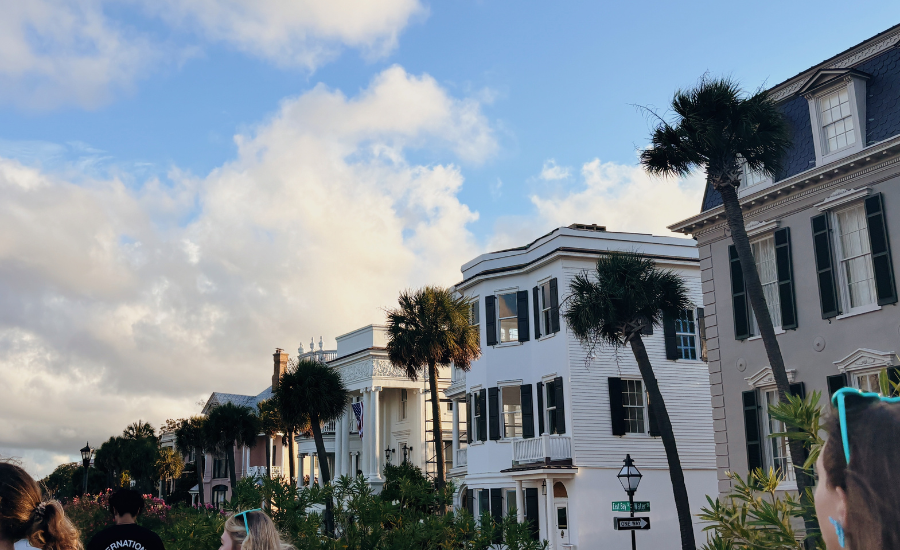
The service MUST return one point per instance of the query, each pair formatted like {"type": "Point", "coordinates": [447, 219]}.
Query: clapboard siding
{"type": "Point", "coordinates": [685, 388]}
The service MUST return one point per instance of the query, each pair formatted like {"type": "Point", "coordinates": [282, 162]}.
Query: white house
{"type": "Point", "coordinates": [549, 423]}
{"type": "Point", "coordinates": [396, 416]}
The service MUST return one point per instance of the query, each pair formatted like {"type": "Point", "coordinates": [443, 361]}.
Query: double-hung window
{"type": "Point", "coordinates": [546, 323]}
{"type": "Point", "coordinates": [508, 316]}
{"type": "Point", "coordinates": [477, 413]}
{"type": "Point", "coordinates": [635, 406]}
{"type": "Point", "coordinates": [854, 254]}
{"type": "Point", "coordinates": [764, 256]}
{"type": "Point", "coordinates": [404, 400]}
{"type": "Point", "coordinates": [777, 454]}
{"type": "Point", "coordinates": [550, 388]}
{"type": "Point", "coordinates": [475, 317]}
{"type": "Point", "coordinates": [836, 118]}
{"type": "Point", "coordinates": [511, 400]}
{"type": "Point", "coordinates": [685, 335]}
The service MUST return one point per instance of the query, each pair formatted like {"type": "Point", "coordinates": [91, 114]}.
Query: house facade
{"type": "Point", "coordinates": [544, 424]}
{"type": "Point", "coordinates": [386, 421]}
{"type": "Point", "coordinates": [822, 235]}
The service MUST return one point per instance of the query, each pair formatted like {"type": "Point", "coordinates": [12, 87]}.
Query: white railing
{"type": "Point", "coordinates": [462, 457]}
{"type": "Point", "coordinates": [256, 471]}
{"type": "Point", "coordinates": [329, 427]}
{"type": "Point", "coordinates": [276, 471]}
{"type": "Point", "coordinates": [539, 449]}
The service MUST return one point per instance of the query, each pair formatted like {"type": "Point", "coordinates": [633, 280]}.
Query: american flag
{"type": "Point", "coordinates": [358, 412]}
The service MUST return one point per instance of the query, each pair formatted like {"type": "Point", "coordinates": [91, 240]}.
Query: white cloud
{"type": "Point", "coordinates": [113, 309]}
{"type": "Point", "coordinates": [552, 172]}
{"type": "Point", "coordinates": [304, 33]}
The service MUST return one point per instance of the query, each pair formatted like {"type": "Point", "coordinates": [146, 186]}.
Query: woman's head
{"type": "Point", "coordinates": [24, 514]}
{"type": "Point", "coordinates": [263, 535]}
{"type": "Point", "coordinates": [862, 497]}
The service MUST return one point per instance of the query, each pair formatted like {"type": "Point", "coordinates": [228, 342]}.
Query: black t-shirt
{"type": "Point", "coordinates": [129, 536]}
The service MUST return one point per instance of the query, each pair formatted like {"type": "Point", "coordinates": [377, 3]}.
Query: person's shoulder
{"type": "Point", "coordinates": [100, 540]}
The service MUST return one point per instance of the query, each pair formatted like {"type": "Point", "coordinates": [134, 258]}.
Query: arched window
{"type": "Point", "coordinates": [559, 490]}
{"type": "Point", "coordinates": [218, 495]}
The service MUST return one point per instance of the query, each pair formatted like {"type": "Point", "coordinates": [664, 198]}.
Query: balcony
{"type": "Point", "coordinates": [329, 427]}
{"type": "Point", "coordinates": [256, 471]}
{"type": "Point", "coordinates": [546, 449]}
{"type": "Point", "coordinates": [462, 458]}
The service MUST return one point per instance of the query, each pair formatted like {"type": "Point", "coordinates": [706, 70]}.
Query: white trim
{"type": "Point", "coordinates": [778, 330]}
{"type": "Point", "coordinates": [755, 228]}
{"type": "Point", "coordinates": [841, 197]}
{"type": "Point", "coordinates": [867, 359]}
{"type": "Point", "coordinates": [859, 311]}
{"type": "Point", "coordinates": [764, 378]}
{"type": "Point", "coordinates": [856, 91]}
{"type": "Point", "coordinates": [549, 377]}
{"type": "Point", "coordinates": [505, 383]}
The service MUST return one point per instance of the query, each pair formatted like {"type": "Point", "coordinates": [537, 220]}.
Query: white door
{"type": "Point", "coordinates": [562, 522]}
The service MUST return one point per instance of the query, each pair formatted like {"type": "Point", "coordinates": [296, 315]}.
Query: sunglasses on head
{"type": "Point", "coordinates": [244, 515]}
{"type": "Point", "coordinates": [838, 400]}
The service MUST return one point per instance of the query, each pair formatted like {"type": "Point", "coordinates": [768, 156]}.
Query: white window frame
{"type": "Point", "coordinates": [503, 414]}
{"type": "Point", "coordinates": [746, 187]}
{"type": "Point", "coordinates": [774, 312]}
{"type": "Point", "coordinates": [856, 92]}
{"type": "Point", "coordinates": [787, 474]}
{"type": "Point", "coordinates": [857, 377]}
{"type": "Point", "coordinates": [515, 317]}
{"type": "Point", "coordinates": [843, 283]}
{"type": "Point", "coordinates": [544, 300]}
{"type": "Point", "coordinates": [645, 415]}
{"type": "Point", "coordinates": [475, 316]}
{"type": "Point", "coordinates": [547, 381]}
{"type": "Point", "coordinates": [694, 335]}
{"type": "Point", "coordinates": [475, 416]}
{"type": "Point", "coordinates": [404, 400]}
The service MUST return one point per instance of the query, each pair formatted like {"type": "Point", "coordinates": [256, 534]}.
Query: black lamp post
{"type": "Point", "coordinates": [630, 478]}
{"type": "Point", "coordinates": [86, 453]}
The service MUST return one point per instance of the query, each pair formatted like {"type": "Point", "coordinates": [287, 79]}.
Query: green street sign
{"type": "Point", "coordinates": [622, 506]}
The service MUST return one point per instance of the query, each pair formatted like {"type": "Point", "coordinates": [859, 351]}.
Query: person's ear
{"type": "Point", "coordinates": [841, 505]}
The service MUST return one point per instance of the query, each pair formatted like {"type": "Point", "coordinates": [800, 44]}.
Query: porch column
{"type": "Point", "coordinates": [355, 463]}
{"type": "Point", "coordinates": [345, 441]}
{"type": "Point", "coordinates": [376, 432]}
{"type": "Point", "coordinates": [338, 447]}
{"type": "Point", "coordinates": [551, 510]}
{"type": "Point", "coordinates": [455, 447]}
{"type": "Point", "coordinates": [367, 434]}
{"type": "Point", "coordinates": [520, 502]}
{"type": "Point", "coordinates": [300, 470]}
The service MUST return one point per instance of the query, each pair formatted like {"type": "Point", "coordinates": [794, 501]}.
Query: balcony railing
{"type": "Point", "coordinates": [256, 471]}
{"type": "Point", "coordinates": [329, 427]}
{"type": "Point", "coordinates": [546, 448]}
{"type": "Point", "coordinates": [462, 457]}
{"type": "Point", "coordinates": [276, 471]}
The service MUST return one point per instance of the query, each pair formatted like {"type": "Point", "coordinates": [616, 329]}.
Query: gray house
{"type": "Point", "coordinates": [821, 234]}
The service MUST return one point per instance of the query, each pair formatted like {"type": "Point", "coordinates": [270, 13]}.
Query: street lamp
{"type": "Point", "coordinates": [387, 454]}
{"type": "Point", "coordinates": [630, 477]}
{"type": "Point", "coordinates": [86, 453]}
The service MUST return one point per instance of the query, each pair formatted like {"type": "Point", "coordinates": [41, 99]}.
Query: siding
{"type": "Point", "coordinates": [685, 387]}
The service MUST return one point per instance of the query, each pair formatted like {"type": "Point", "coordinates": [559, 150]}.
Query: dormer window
{"type": "Point", "coordinates": [837, 111]}
{"type": "Point", "coordinates": [752, 180]}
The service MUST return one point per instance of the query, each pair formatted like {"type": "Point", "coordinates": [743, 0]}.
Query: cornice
{"type": "Point", "coordinates": [796, 187]}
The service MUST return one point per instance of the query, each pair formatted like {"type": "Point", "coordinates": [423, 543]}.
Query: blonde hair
{"type": "Point", "coordinates": [25, 514]}
{"type": "Point", "coordinates": [263, 534]}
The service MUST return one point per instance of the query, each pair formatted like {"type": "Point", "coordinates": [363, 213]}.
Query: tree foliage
{"type": "Point", "coordinates": [228, 426]}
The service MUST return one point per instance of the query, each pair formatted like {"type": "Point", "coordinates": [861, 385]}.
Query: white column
{"type": "Point", "coordinates": [338, 447]}
{"type": "Point", "coordinates": [318, 469]}
{"type": "Point", "coordinates": [300, 471]}
{"type": "Point", "coordinates": [455, 447]}
{"type": "Point", "coordinates": [354, 462]}
{"type": "Point", "coordinates": [376, 432]}
{"type": "Point", "coordinates": [551, 511]}
{"type": "Point", "coordinates": [349, 420]}
{"type": "Point", "coordinates": [365, 449]}
{"type": "Point", "coordinates": [520, 502]}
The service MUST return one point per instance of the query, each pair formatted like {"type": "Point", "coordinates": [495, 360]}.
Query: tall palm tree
{"type": "Point", "coordinates": [230, 425]}
{"type": "Point", "coordinates": [271, 425]}
{"type": "Point", "coordinates": [612, 305]}
{"type": "Point", "coordinates": [191, 437]}
{"type": "Point", "coordinates": [430, 328]}
{"type": "Point", "coordinates": [720, 129]}
{"type": "Point", "coordinates": [139, 430]}
{"type": "Point", "coordinates": [314, 393]}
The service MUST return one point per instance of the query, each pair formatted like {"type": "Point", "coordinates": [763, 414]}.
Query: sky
{"type": "Point", "coordinates": [186, 185]}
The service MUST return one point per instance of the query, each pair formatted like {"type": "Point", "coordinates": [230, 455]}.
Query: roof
{"type": "Point", "coordinates": [249, 401]}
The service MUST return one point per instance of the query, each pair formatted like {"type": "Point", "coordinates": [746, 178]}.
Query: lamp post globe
{"type": "Point", "coordinates": [629, 476]}
{"type": "Point", "coordinates": [86, 454]}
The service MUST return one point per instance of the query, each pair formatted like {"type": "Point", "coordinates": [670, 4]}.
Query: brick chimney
{"type": "Point", "coordinates": [281, 361]}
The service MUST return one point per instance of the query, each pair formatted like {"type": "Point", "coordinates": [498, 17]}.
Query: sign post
{"type": "Point", "coordinates": [629, 476]}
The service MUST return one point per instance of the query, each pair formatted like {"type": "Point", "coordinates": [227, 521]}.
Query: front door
{"type": "Point", "coordinates": [562, 523]}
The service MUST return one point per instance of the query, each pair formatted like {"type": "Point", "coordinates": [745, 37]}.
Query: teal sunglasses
{"type": "Point", "coordinates": [838, 400]}
{"type": "Point", "coordinates": [244, 515]}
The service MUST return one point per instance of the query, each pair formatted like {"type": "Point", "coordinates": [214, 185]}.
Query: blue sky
{"type": "Point", "coordinates": [185, 186]}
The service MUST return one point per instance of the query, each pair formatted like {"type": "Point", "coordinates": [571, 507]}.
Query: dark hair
{"type": "Point", "coordinates": [873, 509]}
{"type": "Point", "coordinates": [126, 501]}
{"type": "Point", "coordinates": [25, 514]}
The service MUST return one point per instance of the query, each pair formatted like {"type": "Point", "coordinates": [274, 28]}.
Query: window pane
{"type": "Point", "coordinates": [837, 121]}
{"type": "Point", "coordinates": [856, 257]}
{"type": "Point", "coordinates": [778, 454]}
{"type": "Point", "coordinates": [511, 398]}
{"type": "Point", "coordinates": [764, 254]}
{"type": "Point", "coordinates": [633, 401]}
{"type": "Point", "coordinates": [509, 330]}
{"type": "Point", "coordinates": [507, 305]}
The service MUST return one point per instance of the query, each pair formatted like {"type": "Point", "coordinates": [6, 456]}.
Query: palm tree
{"type": "Point", "coordinates": [312, 392]}
{"type": "Point", "coordinates": [191, 437]}
{"type": "Point", "coordinates": [271, 425]}
{"type": "Point", "coordinates": [229, 425]}
{"type": "Point", "coordinates": [721, 129]}
{"type": "Point", "coordinates": [625, 294]}
{"type": "Point", "coordinates": [139, 430]}
{"type": "Point", "coordinates": [430, 328]}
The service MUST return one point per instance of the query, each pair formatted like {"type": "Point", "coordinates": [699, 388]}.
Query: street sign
{"type": "Point", "coordinates": [631, 524]}
{"type": "Point", "coordinates": [622, 506]}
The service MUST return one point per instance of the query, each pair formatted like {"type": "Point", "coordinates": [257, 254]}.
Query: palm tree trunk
{"type": "Point", "coordinates": [326, 473]}
{"type": "Point", "coordinates": [437, 433]}
{"type": "Point", "coordinates": [676, 474]}
{"type": "Point", "coordinates": [229, 453]}
{"type": "Point", "coordinates": [198, 460]}
{"type": "Point", "coordinates": [290, 437]}
{"type": "Point", "coordinates": [735, 218]}
{"type": "Point", "coordinates": [268, 456]}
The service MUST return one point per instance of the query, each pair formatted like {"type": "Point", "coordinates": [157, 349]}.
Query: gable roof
{"type": "Point", "coordinates": [249, 401]}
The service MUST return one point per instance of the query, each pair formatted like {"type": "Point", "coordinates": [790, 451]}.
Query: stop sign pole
{"type": "Point", "coordinates": [630, 478]}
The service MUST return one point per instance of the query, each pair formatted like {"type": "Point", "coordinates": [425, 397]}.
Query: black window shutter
{"type": "Point", "coordinates": [527, 411]}
{"type": "Point", "coordinates": [490, 320]}
{"type": "Point", "coordinates": [470, 501]}
{"type": "Point", "coordinates": [651, 420]}
{"type": "Point", "coordinates": [531, 512]}
{"type": "Point", "coordinates": [669, 336]}
{"type": "Point", "coordinates": [835, 382]}
{"type": "Point", "coordinates": [497, 513]}
{"type": "Point", "coordinates": [522, 312]}
{"type": "Point", "coordinates": [738, 297]}
{"type": "Point", "coordinates": [893, 379]}
{"type": "Point", "coordinates": [752, 431]}
{"type": "Point", "coordinates": [701, 325]}
{"type": "Point", "coordinates": [535, 293]}
{"type": "Point", "coordinates": [494, 413]}
{"type": "Point", "coordinates": [785, 269]}
{"type": "Point", "coordinates": [821, 231]}
{"type": "Point", "coordinates": [540, 411]}
{"type": "Point", "coordinates": [469, 426]}
{"type": "Point", "coordinates": [616, 408]}
{"type": "Point", "coordinates": [798, 389]}
{"type": "Point", "coordinates": [482, 420]}
{"type": "Point", "coordinates": [484, 502]}
{"type": "Point", "coordinates": [554, 306]}
{"type": "Point", "coordinates": [885, 286]}
{"type": "Point", "coordinates": [560, 405]}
